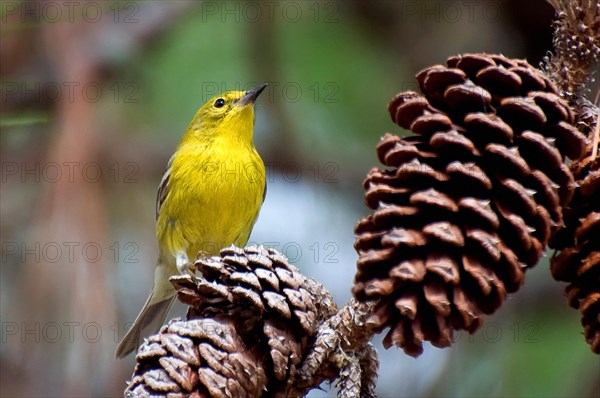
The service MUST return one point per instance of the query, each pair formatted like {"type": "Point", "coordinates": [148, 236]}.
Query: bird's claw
{"type": "Point", "coordinates": [184, 266]}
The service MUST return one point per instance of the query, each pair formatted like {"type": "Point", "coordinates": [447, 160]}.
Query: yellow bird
{"type": "Point", "coordinates": [209, 198]}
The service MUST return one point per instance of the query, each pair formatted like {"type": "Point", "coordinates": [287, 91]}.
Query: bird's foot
{"type": "Point", "coordinates": [184, 266]}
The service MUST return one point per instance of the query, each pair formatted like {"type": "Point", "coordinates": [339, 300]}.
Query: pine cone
{"type": "Point", "coordinates": [578, 259]}
{"type": "Point", "coordinates": [251, 319]}
{"type": "Point", "coordinates": [468, 203]}
{"type": "Point", "coordinates": [576, 45]}
{"type": "Point", "coordinates": [197, 358]}
{"type": "Point", "coordinates": [577, 30]}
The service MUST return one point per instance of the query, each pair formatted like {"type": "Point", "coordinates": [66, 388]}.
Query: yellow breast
{"type": "Point", "coordinates": [214, 197]}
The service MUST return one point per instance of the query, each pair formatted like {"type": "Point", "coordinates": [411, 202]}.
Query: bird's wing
{"type": "Point", "coordinates": [163, 188]}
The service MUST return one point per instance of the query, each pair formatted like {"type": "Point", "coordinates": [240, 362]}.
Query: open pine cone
{"type": "Point", "coordinates": [250, 321]}
{"type": "Point", "coordinates": [466, 204]}
{"type": "Point", "coordinates": [578, 259]}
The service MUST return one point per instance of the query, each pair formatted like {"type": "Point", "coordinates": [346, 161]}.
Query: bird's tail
{"type": "Point", "coordinates": [154, 312]}
{"type": "Point", "coordinates": [148, 322]}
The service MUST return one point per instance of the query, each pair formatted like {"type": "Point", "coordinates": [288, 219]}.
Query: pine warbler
{"type": "Point", "coordinates": [209, 198]}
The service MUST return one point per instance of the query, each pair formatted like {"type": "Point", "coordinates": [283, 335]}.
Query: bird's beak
{"type": "Point", "coordinates": [251, 96]}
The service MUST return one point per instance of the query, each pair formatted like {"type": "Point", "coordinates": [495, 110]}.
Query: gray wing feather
{"type": "Point", "coordinates": [163, 188]}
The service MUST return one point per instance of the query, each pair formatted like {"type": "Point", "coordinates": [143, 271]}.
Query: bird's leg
{"type": "Point", "coordinates": [183, 264]}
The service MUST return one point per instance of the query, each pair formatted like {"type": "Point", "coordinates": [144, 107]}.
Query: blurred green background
{"type": "Point", "coordinates": [95, 97]}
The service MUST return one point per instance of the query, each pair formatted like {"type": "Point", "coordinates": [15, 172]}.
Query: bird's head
{"type": "Point", "coordinates": [228, 115]}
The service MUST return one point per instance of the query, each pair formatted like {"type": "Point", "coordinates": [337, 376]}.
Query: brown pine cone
{"type": "Point", "coordinates": [251, 319]}
{"type": "Point", "coordinates": [576, 45]}
{"type": "Point", "coordinates": [197, 358]}
{"type": "Point", "coordinates": [578, 258]}
{"type": "Point", "coordinates": [466, 204]}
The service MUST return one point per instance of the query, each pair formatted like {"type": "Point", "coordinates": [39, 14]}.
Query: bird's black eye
{"type": "Point", "coordinates": [219, 103]}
